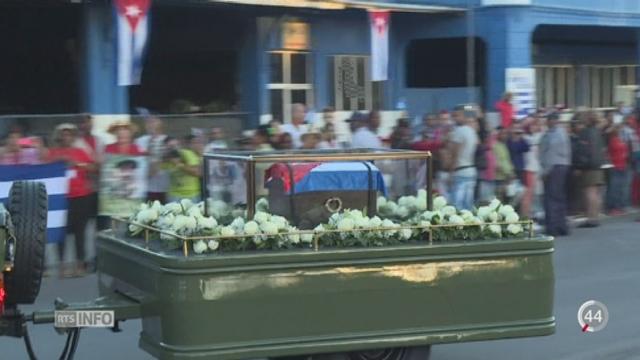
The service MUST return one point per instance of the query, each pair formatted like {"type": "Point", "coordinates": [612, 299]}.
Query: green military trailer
{"type": "Point", "coordinates": [339, 294]}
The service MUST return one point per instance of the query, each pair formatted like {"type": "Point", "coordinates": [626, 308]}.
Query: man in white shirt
{"type": "Point", "coordinates": [154, 147]}
{"type": "Point", "coordinates": [217, 142]}
{"type": "Point", "coordinates": [462, 145]}
{"type": "Point", "coordinates": [364, 131]}
{"type": "Point", "coordinates": [297, 127]}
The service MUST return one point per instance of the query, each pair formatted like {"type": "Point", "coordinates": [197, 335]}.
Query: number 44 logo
{"type": "Point", "coordinates": [593, 316]}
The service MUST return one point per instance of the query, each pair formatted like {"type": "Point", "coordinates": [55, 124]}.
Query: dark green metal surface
{"type": "Point", "coordinates": [264, 304]}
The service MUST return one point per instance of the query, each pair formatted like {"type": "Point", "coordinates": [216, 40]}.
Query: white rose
{"type": "Point", "coordinates": [172, 207]}
{"type": "Point", "coordinates": [449, 210]}
{"type": "Point", "coordinates": [439, 202]}
{"type": "Point", "coordinates": [407, 201]}
{"type": "Point", "coordinates": [207, 222]}
{"type": "Point", "coordinates": [427, 215]}
{"type": "Point", "coordinates": [355, 214]}
{"type": "Point", "coordinates": [262, 204]}
{"type": "Point", "coordinates": [227, 231]}
{"type": "Point", "coordinates": [496, 229]}
{"type": "Point", "coordinates": [293, 238]}
{"type": "Point", "coordinates": [251, 228]}
{"type": "Point", "coordinates": [195, 212]}
{"type": "Point", "coordinates": [213, 245]}
{"type": "Point", "coordinates": [456, 220]}
{"type": "Point", "coordinates": [382, 201]}
{"type": "Point", "coordinates": [261, 217]}
{"type": "Point", "coordinates": [156, 205]}
{"type": "Point", "coordinates": [306, 238]}
{"type": "Point", "coordinates": [375, 222]}
{"type": "Point", "coordinates": [425, 224]}
{"type": "Point", "coordinates": [493, 216]}
{"type": "Point", "coordinates": [484, 211]}
{"type": "Point", "coordinates": [319, 228]}
{"type": "Point", "coordinates": [495, 203]}
{"type": "Point", "coordinates": [134, 229]}
{"type": "Point", "coordinates": [506, 210]}
{"type": "Point", "coordinates": [422, 194]}
{"type": "Point", "coordinates": [335, 217]}
{"type": "Point", "coordinates": [179, 223]}
{"type": "Point", "coordinates": [190, 223]}
{"type": "Point", "coordinates": [406, 234]}
{"type": "Point", "coordinates": [402, 211]}
{"type": "Point", "coordinates": [466, 215]}
{"type": "Point", "coordinates": [391, 207]}
{"type": "Point", "coordinates": [269, 228]}
{"type": "Point", "coordinates": [186, 204]}
{"type": "Point", "coordinates": [362, 223]}
{"type": "Point", "coordinates": [346, 224]}
{"type": "Point", "coordinates": [514, 229]}
{"type": "Point", "coordinates": [421, 204]}
{"type": "Point", "coordinates": [386, 223]}
{"type": "Point", "coordinates": [237, 224]}
{"type": "Point", "coordinates": [199, 247]}
{"type": "Point", "coordinates": [257, 240]}
{"type": "Point", "coordinates": [477, 221]}
{"type": "Point", "coordinates": [166, 221]}
{"type": "Point", "coordinates": [280, 222]}
{"type": "Point", "coordinates": [512, 217]}
{"type": "Point", "coordinates": [146, 216]}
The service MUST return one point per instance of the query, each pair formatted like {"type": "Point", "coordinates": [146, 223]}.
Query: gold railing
{"type": "Point", "coordinates": [188, 240]}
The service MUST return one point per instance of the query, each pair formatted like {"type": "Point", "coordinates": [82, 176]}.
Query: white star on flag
{"type": "Point", "coordinates": [133, 11]}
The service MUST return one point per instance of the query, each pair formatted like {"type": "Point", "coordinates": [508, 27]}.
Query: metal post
{"type": "Point", "coordinates": [251, 189]}
{"type": "Point", "coordinates": [205, 185]}
{"type": "Point", "coordinates": [430, 182]}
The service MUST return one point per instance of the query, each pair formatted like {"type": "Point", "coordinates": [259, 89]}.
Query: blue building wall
{"type": "Point", "coordinates": [100, 93]}
{"type": "Point", "coordinates": [506, 30]}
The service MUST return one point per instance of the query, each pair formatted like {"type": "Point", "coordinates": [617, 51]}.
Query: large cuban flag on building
{"type": "Point", "coordinates": [54, 176]}
{"type": "Point", "coordinates": [379, 22]}
{"type": "Point", "coordinates": [132, 19]}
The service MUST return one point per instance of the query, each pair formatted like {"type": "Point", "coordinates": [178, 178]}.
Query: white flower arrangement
{"type": "Point", "coordinates": [406, 220]}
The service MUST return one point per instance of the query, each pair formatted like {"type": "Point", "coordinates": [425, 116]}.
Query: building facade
{"type": "Point", "coordinates": [259, 57]}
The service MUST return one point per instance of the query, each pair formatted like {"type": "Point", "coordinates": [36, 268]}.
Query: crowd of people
{"type": "Point", "coordinates": [546, 167]}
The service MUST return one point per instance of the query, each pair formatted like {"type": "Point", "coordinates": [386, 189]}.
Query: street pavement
{"type": "Point", "coordinates": [601, 264]}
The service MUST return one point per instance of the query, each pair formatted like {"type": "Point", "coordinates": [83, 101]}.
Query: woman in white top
{"type": "Point", "coordinates": [531, 167]}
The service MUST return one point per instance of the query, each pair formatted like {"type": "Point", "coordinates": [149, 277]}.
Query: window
{"type": "Point", "coordinates": [593, 86]}
{"type": "Point", "coordinates": [556, 85]}
{"type": "Point", "coordinates": [352, 86]}
{"type": "Point", "coordinates": [441, 63]}
{"type": "Point", "coordinates": [290, 82]}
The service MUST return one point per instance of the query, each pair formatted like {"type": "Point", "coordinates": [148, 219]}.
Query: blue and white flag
{"type": "Point", "coordinates": [133, 28]}
{"type": "Point", "coordinates": [54, 176]}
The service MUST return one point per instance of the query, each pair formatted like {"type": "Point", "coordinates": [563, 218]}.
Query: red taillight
{"type": "Point", "coordinates": [3, 295]}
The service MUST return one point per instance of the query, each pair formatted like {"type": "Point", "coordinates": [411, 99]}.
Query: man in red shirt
{"type": "Point", "coordinates": [505, 108]}
{"type": "Point", "coordinates": [79, 196]}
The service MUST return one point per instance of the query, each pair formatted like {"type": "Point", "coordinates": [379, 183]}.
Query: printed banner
{"type": "Point", "coordinates": [521, 82]}
{"type": "Point", "coordinates": [123, 185]}
{"type": "Point", "coordinates": [379, 21]}
{"type": "Point", "coordinates": [54, 177]}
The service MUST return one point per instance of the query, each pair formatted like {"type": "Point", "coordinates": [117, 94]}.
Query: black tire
{"type": "Point", "coordinates": [27, 207]}
{"type": "Point", "coordinates": [408, 353]}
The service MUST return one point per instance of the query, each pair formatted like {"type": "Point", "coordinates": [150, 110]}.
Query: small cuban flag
{"type": "Point", "coordinates": [133, 29]}
{"type": "Point", "coordinates": [56, 179]}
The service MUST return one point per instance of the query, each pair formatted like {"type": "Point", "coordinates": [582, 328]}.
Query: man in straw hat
{"type": "Point", "coordinates": [124, 145]}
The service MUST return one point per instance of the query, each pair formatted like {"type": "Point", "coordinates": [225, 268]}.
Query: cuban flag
{"type": "Point", "coordinates": [328, 176]}
{"type": "Point", "coordinates": [54, 176]}
{"type": "Point", "coordinates": [379, 22]}
{"type": "Point", "coordinates": [133, 29]}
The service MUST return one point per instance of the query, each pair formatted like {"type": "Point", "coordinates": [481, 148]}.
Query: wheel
{"type": "Point", "coordinates": [407, 353]}
{"type": "Point", "coordinates": [27, 207]}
